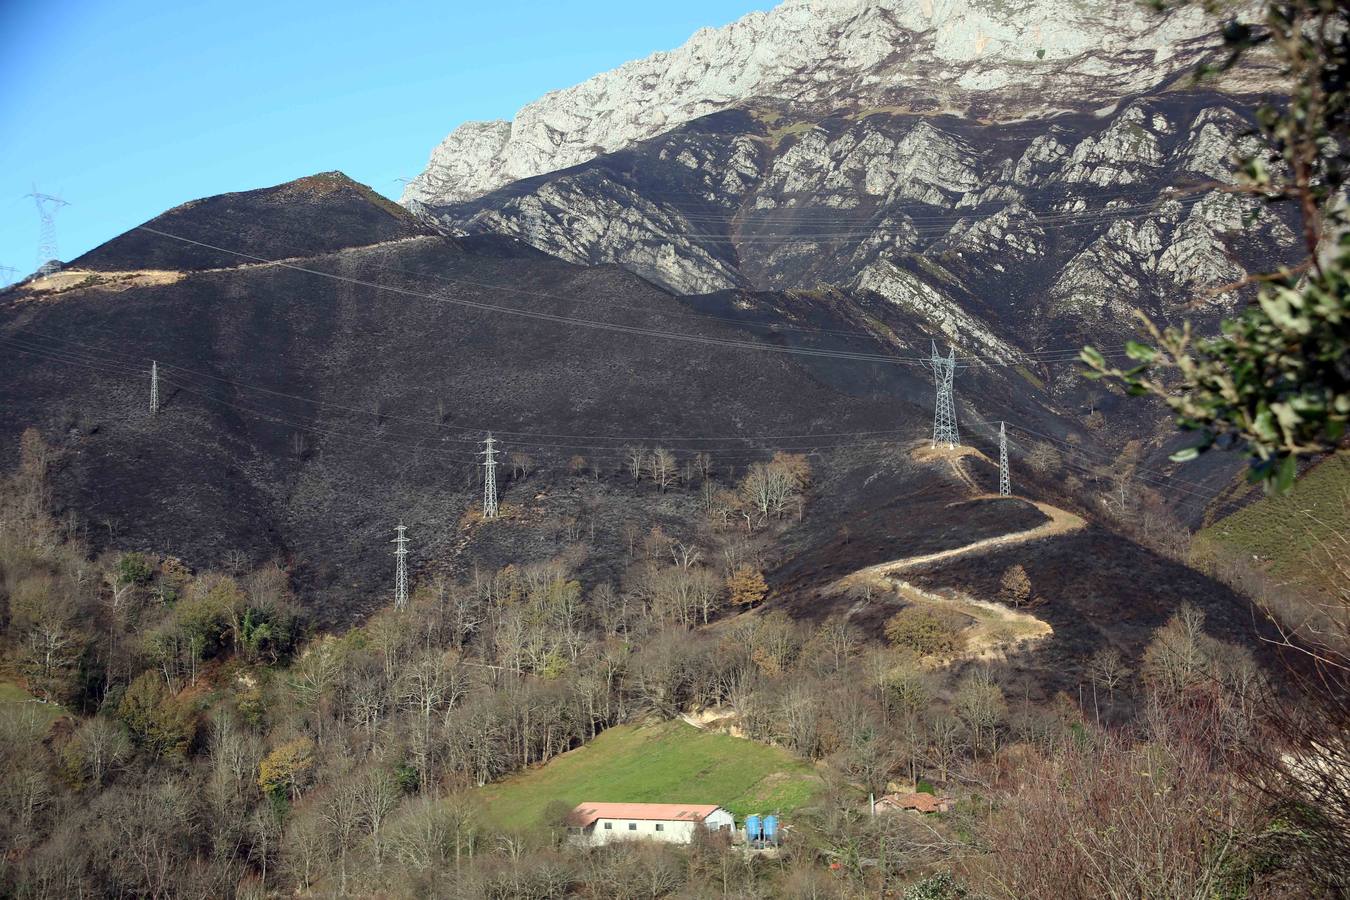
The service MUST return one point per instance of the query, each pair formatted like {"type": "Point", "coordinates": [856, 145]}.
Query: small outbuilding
{"type": "Point", "coordinates": [675, 823]}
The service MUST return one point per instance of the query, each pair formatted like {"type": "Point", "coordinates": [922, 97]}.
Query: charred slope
{"type": "Point", "coordinates": [1094, 587]}
{"type": "Point", "coordinates": [1020, 242]}
{"type": "Point", "coordinates": [318, 214]}
{"type": "Point", "coordinates": [309, 405]}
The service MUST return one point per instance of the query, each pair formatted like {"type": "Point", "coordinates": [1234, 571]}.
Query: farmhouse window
{"type": "Point", "coordinates": [632, 826]}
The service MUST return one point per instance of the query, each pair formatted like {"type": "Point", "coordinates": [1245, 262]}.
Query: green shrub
{"type": "Point", "coordinates": [134, 568]}
{"type": "Point", "coordinates": [928, 632]}
{"type": "Point", "coordinates": [157, 720]}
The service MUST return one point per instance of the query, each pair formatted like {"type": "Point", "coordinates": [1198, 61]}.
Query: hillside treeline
{"type": "Point", "coordinates": [176, 733]}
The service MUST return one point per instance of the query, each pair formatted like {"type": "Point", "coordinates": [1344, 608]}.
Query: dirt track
{"type": "Point", "coordinates": [992, 620]}
{"type": "Point", "coordinates": [1061, 522]}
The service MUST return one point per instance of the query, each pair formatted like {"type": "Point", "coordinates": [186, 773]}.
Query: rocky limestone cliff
{"type": "Point", "coordinates": [1020, 234]}
{"type": "Point", "coordinates": [981, 59]}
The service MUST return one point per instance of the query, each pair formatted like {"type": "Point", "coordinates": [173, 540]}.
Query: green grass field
{"type": "Point", "coordinates": [1283, 530]}
{"type": "Point", "coordinates": [669, 762]}
{"type": "Point", "coordinates": [10, 692]}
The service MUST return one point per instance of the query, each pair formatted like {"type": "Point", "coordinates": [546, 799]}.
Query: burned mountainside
{"type": "Point", "coordinates": [308, 405]}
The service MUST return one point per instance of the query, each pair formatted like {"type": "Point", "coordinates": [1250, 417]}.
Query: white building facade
{"type": "Point", "coordinates": [676, 823]}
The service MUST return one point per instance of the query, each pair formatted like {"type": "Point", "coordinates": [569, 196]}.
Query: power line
{"type": "Point", "coordinates": [739, 322]}
{"type": "Point", "coordinates": [1153, 477]}
{"type": "Point", "coordinates": [564, 183]}
{"type": "Point", "coordinates": [732, 343]}
{"type": "Point", "coordinates": [86, 360]}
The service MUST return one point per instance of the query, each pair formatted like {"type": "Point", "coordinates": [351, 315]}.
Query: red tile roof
{"type": "Point", "coordinates": [586, 814]}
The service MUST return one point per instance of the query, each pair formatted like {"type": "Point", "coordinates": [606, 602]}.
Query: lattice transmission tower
{"type": "Point", "coordinates": [47, 207]}
{"type": "Point", "coordinates": [945, 430]}
{"type": "Point", "coordinates": [400, 567]}
{"type": "Point", "coordinates": [489, 477]}
{"type": "Point", "coordinates": [7, 275]}
{"type": "Point", "coordinates": [154, 387]}
{"type": "Point", "coordinates": [1004, 482]}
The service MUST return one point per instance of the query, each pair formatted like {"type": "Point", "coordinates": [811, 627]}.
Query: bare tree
{"type": "Point", "coordinates": [703, 464]}
{"type": "Point", "coordinates": [662, 467]}
{"type": "Point", "coordinates": [1107, 669]}
{"type": "Point", "coordinates": [1044, 458]}
{"type": "Point", "coordinates": [377, 796]}
{"type": "Point", "coordinates": [635, 458]}
{"type": "Point", "coordinates": [521, 464]}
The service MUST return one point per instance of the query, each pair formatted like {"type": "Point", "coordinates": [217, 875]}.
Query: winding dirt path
{"type": "Point", "coordinates": [996, 629]}
{"type": "Point", "coordinates": [1061, 522]}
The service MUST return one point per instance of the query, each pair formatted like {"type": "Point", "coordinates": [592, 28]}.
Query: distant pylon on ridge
{"type": "Point", "coordinates": [7, 275]}
{"type": "Point", "coordinates": [47, 207]}
{"type": "Point", "coordinates": [154, 387]}
{"type": "Point", "coordinates": [400, 567]}
{"type": "Point", "coordinates": [489, 478]}
{"type": "Point", "coordinates": [1004, 482]}
{"type": "Point", "coordinates": [945, 430]}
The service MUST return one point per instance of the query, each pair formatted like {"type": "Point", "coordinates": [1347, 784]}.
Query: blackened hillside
{"type": "Point", "coordinates": [309, 405]}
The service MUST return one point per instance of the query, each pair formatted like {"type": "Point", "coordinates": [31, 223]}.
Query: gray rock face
{"type": "Point", "coordinates": [1018, 236]}
{"type": "Point", "coordinates": [973, 58]}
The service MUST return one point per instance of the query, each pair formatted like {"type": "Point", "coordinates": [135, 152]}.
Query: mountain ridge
{"type": "Point", "coordinates": [978, 58]}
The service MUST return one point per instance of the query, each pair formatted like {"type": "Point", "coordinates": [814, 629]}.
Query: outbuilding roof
{"type": "Point", "coordinates": [587, 814]}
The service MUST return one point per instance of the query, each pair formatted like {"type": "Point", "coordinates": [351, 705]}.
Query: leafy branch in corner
{"type": "Point", "coordinates": [1277, 378]}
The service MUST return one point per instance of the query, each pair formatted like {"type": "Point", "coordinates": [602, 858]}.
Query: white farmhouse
{"type": "Point", "coordinates": [600, 823]}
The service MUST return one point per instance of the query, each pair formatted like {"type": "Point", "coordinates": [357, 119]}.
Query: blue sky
{"type": "Point", "coordinates": [129, 107]}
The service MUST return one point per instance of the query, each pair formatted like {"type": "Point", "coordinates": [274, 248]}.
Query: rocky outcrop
{"type": "Point", "coordinates": [942, 313]}
{"type": "Point", "coordinates": [981, 59]}
{"type": "Point", "coordinates": [1016, 233]}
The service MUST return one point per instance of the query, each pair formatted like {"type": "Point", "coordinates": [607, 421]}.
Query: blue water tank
{"type": "Point", "coordinates": [752, 828]}
{"type": "Point", "coordinates": [770, 828]}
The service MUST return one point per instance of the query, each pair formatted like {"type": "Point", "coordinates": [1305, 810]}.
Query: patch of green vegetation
{"type": "Point", "coordinates": [932, 267]}
{"type": "Point", "coordinates": [779, 132]}
{"type": "Point", "coordinates": [868, 111]}
{"type": "Point", "coordinates": [1030, 376]}
{"type": "Point", "coordinates": [10, 692]}
{"type": "Point", "coordinates": [1139, 136]}
{"type": "Point", "coordinates": [766, 116]}
{"type": "Point", "coordinates": [1287, 531]}
{"type": "Point", "coordinates": [666, 763]}
{"type": "Point", "coordinates": [777, 128]}
{"type": "Point", "coordinates": [879, 327]}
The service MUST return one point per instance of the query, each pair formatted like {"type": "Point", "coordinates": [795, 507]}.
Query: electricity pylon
{"type": "Point", "coordinates": [47, 207]}
{"type": "Point", "coordinates": [400, 568]}
{"type": "Point", "coordinates": [489, 478]}
{"type": "Point", "coordinates": [945, 430]}
{"type": "Point", "coordinates": [7, 275]}
{"type": "Point", "coordinates": [1004, 483]}
{"type": "Point", "coordinates": [154, 387]}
